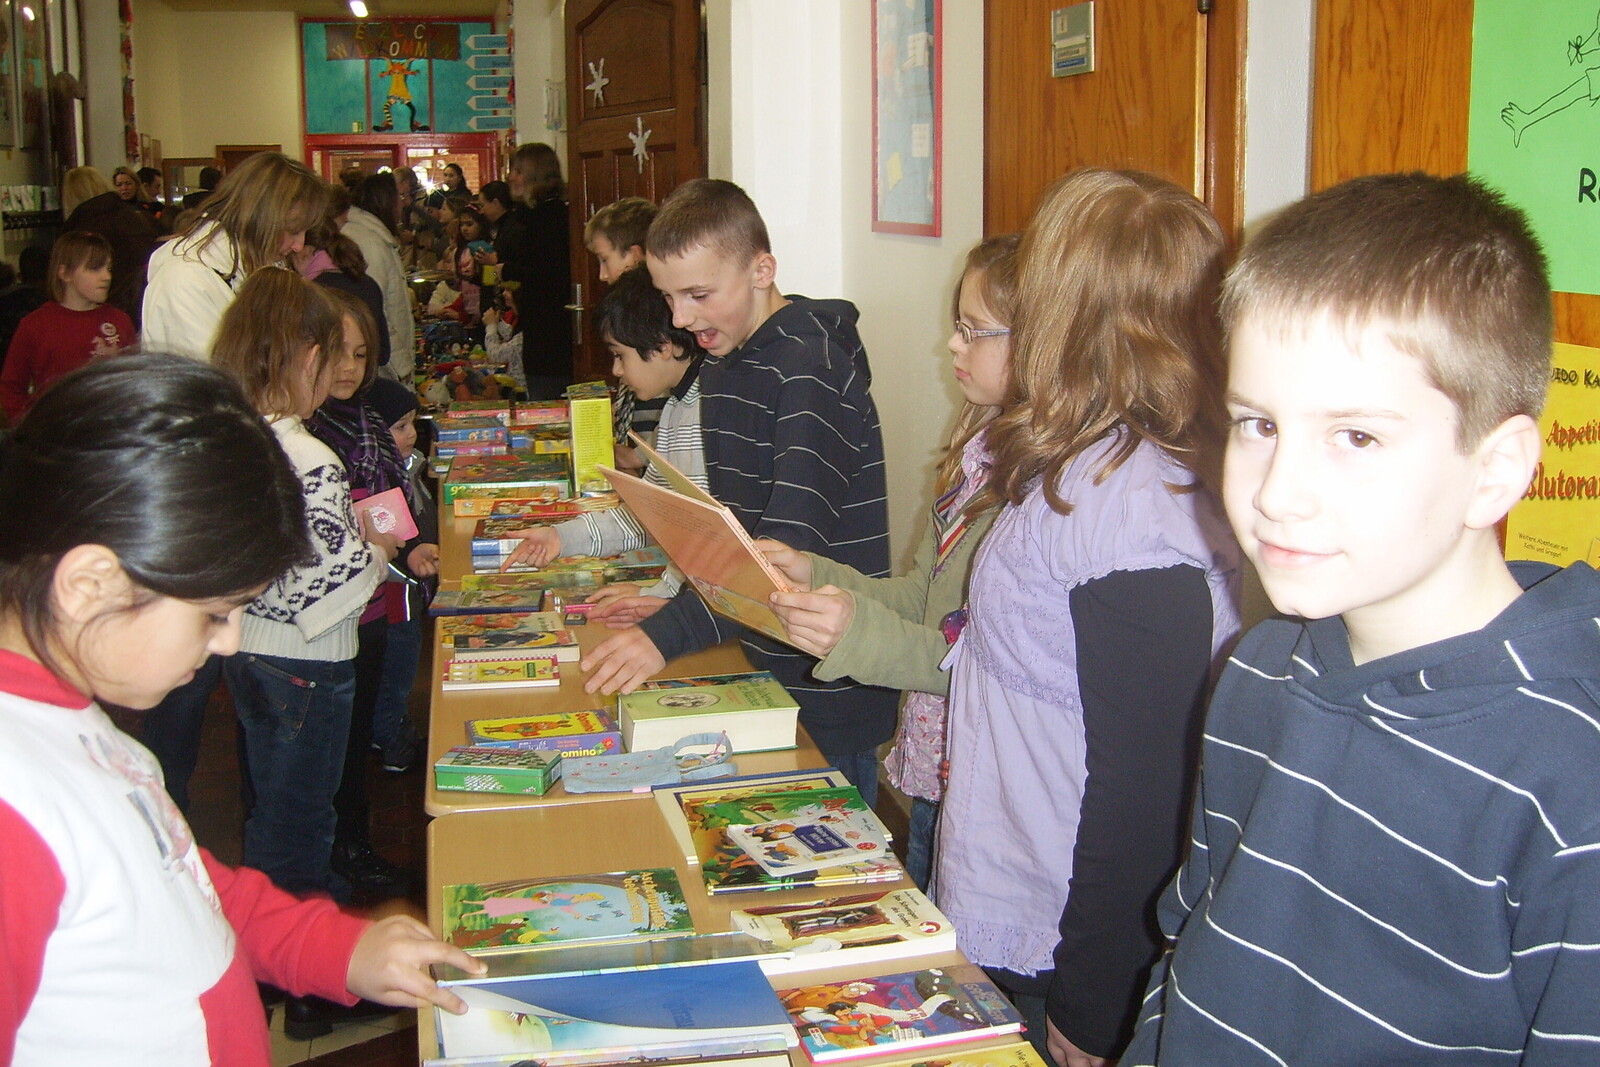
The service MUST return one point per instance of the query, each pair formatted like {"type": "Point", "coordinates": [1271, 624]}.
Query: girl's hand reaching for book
{"type": "Point", "coordinates": [390, 965]}
{"type": "Point", "coordinates": [540, 545]}
{"type": "Point", "coordinates": [794, 565]}
{"type": "Point", "coordinates": [815, 620]}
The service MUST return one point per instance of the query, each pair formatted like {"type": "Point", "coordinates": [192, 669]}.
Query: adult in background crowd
{"type": "Point", "coordinates": [91, 203]}
{"type": "Point", "coordinates": [332, 259]}
{"type": "Point", "coordinates": [530, 246]}
{"type": "Point", "coordinates": [374, 225]}
{"type": "Point", "coordinates": [152, 198]}
{"type": "Point", "coordinates": [209, 178]}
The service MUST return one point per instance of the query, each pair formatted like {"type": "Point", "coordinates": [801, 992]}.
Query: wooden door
{"type": "Point", "coordinates": [1393, 79]}
{"type": "Point", "coordinates": [1165, 96]}
{"type": "Point", "coordinates": [635, 127]}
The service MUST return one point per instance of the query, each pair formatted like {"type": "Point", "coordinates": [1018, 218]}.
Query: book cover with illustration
{"type": "Point", "coordinates": [865, 928]}
{"type": "Point", "coordinates": [863, 1016]}
{"type": "Point", "coordinates": [728, 868]}
{"type": "Point", "coordinates": [551, 510]}
{"type": "Point", "coordinates": [572, 733]}
{"type": "Point", "coordinates": [518, 622]}
{"type": "Point", "coordinates": [471, 675]}
{"type": "Point", "coordinates": [815, 843]}
{"type": "Point", "coordinates": [672, 800]}
{"type": "Point", "coordinates": [493, 536]}
{"type": "Point", "coordinates": [476, 502]}
{"type": "Point", "coordinates": [487, 582]}
{"type": "Point", "coordinates": [518, 470]}
{"type": "Point", "coordinates": [694, 1013]}
{"type": "Point", "coordinates": [495, 916]}
{"type": "Point", "coordinates": [487, 601]}
{"type": "Point", "coordinates": [511, 643]}
{"type": "Point", "coordinates": [388, 512]}
{"type": "Point", "coordinates": [754, 710]}
{"type": "Point", "coordinates": [1016, 1054]}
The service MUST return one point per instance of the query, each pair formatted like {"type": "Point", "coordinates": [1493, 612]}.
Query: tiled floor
{"type": "Point", "coordinates": [398, 831]}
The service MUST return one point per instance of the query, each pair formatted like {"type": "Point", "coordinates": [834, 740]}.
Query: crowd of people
{"type": "Point", "coordinates": [1363, 832]}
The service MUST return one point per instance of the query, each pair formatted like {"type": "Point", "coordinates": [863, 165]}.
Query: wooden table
{"type": "Point", "coordinates": [450, 712]}
{"type": "Point", "coordinates": [486, 846]}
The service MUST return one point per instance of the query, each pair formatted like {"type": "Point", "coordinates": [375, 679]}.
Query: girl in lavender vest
{"type": "Point", "coordinates": [1098, 603]}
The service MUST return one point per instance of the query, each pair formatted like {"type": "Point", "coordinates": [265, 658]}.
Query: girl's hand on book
{"type": "Point", "coordinates": [423, 560]}
{"type": "Point", "coordinates": [386, 544]}
{"type": "Point", "coordinates": [1065, 1053]}
{"type": "Point", "coordinates": [390, 965]}
{"type": "Point", "coordinates": [817, 620]}
{"type": "Point", "coordinates": [540, 545]}
{"type": "Point", "coordinates": [794, 565]}
{"type": "Point", "coordinates": [620, 662]}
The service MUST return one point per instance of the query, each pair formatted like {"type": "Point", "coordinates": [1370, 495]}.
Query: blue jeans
{"type": "Point", "coordinates": [171, 730]}
{"type": "Point", "coordinates": [401, 657]}
{"type": "Point", "coordinates": [860, 768]}
{"type": "Point", "coordinates": [296, 718]}
{"type": "Point", "coordinates": [919, 841]}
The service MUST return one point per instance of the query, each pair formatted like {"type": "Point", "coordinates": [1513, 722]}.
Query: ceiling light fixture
{"type": "Point", "coordinates": [28, 13]}
{"type": "Point", "coordinates": [358, 9]}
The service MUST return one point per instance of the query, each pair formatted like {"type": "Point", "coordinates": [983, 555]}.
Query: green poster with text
{"type": "Point", "coordinates": [1533, 127]}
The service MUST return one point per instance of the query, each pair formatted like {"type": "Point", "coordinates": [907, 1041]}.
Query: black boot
{"type": "Point", "coordinates": [371, 877]}
{"type": "Point", "coordinates": [307, 1017]}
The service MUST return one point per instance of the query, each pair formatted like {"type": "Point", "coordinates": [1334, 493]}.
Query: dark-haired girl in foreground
{"type": "Point", "coordinates": [142, 505]}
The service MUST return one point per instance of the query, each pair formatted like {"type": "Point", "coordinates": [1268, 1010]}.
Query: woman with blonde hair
{"type": "Point", "coordinates": [91, 203]}
{"type": "Point", "coordinates": [256, 217]}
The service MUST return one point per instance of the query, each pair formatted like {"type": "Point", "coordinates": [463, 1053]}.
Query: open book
{"type": "Point", "coordinates": [706, 543]}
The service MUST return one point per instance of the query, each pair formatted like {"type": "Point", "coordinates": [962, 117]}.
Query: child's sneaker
{"type": "Point", "coordinates": [401, 755]}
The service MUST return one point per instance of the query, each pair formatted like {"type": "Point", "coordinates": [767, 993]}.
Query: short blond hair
{"type": "Point", "coordinates": [712, 213]}
{"type": "Point", "coordinates": [624, 223]}
{"type": "Point", "coordinates": [80, 184]}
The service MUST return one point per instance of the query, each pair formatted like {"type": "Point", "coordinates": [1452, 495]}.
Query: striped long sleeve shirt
{"type": "Point", "coordinates": [793, 448]}
{"type": "Point", "coordinates": [1397, 862]}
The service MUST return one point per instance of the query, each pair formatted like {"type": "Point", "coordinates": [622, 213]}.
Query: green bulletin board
{"type": "Point", "coordinates": [1533, 125]}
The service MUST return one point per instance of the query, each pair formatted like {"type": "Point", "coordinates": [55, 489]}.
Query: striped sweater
{"type": "Point", "coordinates": [794, 450]}
{"type": "Point", "coordinates": [1398, 862]}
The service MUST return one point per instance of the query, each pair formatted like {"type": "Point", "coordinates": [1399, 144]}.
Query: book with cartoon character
{"type": "Point", "coordinates": [499, 916]}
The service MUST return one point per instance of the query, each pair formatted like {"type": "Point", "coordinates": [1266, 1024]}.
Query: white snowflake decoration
{"type": "Point", "coordinates": [598, 82]}
{"type": "Point", "coordinates": [640, 137]}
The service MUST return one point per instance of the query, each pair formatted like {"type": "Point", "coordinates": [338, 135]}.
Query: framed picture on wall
{"type": "Point", "coordinates": [29, 48]}
{"type": "Point", "coordinates": [906, 135]}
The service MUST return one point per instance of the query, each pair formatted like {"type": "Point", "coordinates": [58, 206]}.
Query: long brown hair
{"type": "Point", "coordinates": [267, 331]}
{"type": "Point", "coordinates": [1115, 332]}
{"type": "Point", "coordinates": [992, 266]}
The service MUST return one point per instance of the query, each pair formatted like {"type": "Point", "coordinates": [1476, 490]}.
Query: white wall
{"type": "Point", "coordinates": [790, 119]}
{"type": "Point", "coordinates": [1277, 133]}
{"type": "Point", "coordinates": [104, 144]}
{"type": "Point", "coordinates": [539, 57]}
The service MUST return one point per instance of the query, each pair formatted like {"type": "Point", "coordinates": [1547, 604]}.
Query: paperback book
{"type": "Point", "coordinates": [517, 470]}
{"type": "Point", "coordinates": [854, 931]}
{"type": "Point", "coordinates": [495, 536]}
{"type": "Point", "coordinates": [477, 769]}
{"type": "Point", "coordinates": [674, 800]}
{"type": "Point", "coordinates": [487, 601]}
{"type": "Point", "coordinates": [754, 710]}
{"type": "Point", "coordinates": [473, 675]}
{"type": "Point", "coordinates": [497, 916]}
{"type": "Point", "coordinates": [816, 843]}
{"type": "Point", "coordinates": [458, 428]}
{"type": "Point", "coordinates": [571, 733]}
{"type": "Point", "coordinates": [479, 501]}
{"type": "Point", "coordinates": [707, 1011]}
{"type": "Point", "coordinates": [388, 513]}
{"type": "Point", "coordinates": [864, 1016]}
{"type": "Point", "coordinates": [597, 957]}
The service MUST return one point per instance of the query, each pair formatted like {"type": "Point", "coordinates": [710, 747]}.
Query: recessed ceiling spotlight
{"type": "Point", "coordinates": [357, 8]}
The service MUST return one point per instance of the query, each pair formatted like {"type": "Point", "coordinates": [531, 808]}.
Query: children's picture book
{"type": "Point", "coordinates": [572, 733]}
{"type": "Point", "coordinates": [754, 710]}
{"type": "Point", "coordinates": [495, 409]}
{"type": "Point", "coordinates": [455, 428]}
{"type": "Point", "coordinates": [518, 622]}
{"type": "Point", "coordinates": [487, 582]}
{"type": "Point", "coordinates": [473, 675]}
{"type": "Point", "coordinates": [863, 1016]}
{"type": "Point", "coordinates": [847, 931]}
{"type": "Point", "coordinates": [487, 601]}
{"type": "Point", "coordinates": [539, 413]}
{"type": "Point", "coordinates": [552, 510]}
{"type": "Point", "coordinates": [597, 957]}
{"type": "Point", "coordinates": [474, 769]}
{"type": "Point", "coordinates": [694, 1013]}
{"type": "Point", "coordinates": [799, 845]}
{"type": "Point", "coordinates": [517, 470]}
{"type": "Point", "coordinates": [706, 814]}
{"type": "Point", "coordinates": [494, 536]}
{"type": "Point", "coordinates": [1016, 1054]}
{"type": "Point", "coordinates": [388, 513]}
{"type": "Point", "coordinates": [706, 542]}
{"type": "Point", "coordinates": [531, 912]}
{"type": "Point", "coordinates": [511, 644]}
{"type": "Point", "coordinates": [476, 502]}
{"type": "Point", "coordinates": [673, 799]}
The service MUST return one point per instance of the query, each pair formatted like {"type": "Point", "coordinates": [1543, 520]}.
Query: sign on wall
{"type": "Point", "coordinates": [1533, 130]}
{"type": "Point", "coordinates": [1558, 519]}
{"type": "Point", "coordinates": [405, 75]}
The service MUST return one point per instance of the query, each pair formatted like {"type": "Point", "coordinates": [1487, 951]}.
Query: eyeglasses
{"type": "Point", "coordinates": [968, 334]}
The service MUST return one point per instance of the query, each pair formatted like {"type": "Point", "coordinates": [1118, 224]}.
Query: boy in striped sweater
{"type": "Point", "coordinates": [1396, 846]}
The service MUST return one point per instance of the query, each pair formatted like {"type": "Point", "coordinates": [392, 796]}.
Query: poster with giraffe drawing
{"type": "Point", "coordinates": [1533, 126]}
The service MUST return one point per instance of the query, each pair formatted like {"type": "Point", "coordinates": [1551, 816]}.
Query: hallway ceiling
{"type": "Point", "coordinates": [336, 9]}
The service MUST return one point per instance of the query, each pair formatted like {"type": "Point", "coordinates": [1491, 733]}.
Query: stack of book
{"type": "Point", "coordinates": [493, 409]}
{"type": "Point", "coordinates": [469, 435]}
{"type": "Point", "coordinates": [533, 505]}
{"type": "Point", "coordinates": [512, 471]}
{"type": "Point", "coordinates": [539, 413]}
{"type": "Point", "coordinates": [508, 635]}
{"type": "Point", "coordinates": [702, 818]}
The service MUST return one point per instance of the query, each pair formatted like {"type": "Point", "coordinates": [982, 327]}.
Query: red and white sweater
{"type": "Point", "coordinates": [121, 940]}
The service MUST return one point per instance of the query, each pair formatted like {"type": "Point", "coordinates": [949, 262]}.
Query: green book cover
{"type": "Point", "coordinates": [497, 916]}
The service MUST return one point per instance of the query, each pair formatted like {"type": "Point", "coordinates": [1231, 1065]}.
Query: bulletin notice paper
{"type": "Point", "coordinates": [1558, 518]}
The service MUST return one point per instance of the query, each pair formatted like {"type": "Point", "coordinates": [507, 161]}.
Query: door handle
{"type": "Point", "coordinates": [576, 307]}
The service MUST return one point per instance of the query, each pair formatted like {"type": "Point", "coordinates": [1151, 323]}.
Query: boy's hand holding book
{"type": "Point", "coordinates": [621, 662]}
{"type": "Point", "coordinates": [540, 545]}
{"type": "Point", "coordinates": [794, 565]}
{"type": "Point", "coordinates": [391, 961]}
